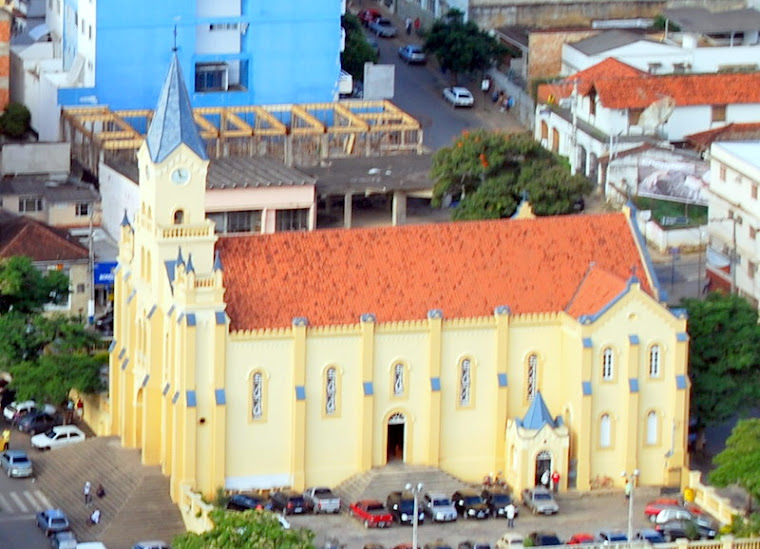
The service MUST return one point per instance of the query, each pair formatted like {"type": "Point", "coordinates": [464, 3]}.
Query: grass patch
{"type": "Point", "coordinates": [697, 215]}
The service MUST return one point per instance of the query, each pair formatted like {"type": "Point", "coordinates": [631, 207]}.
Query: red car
{"type": "Point", "coordinates": [578, 539]}
{"type": "Point", "coordinates": [372, 513]}
{"type": "Point", "coordinates": [367, 16]}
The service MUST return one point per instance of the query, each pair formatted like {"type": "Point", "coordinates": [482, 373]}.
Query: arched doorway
{"type": "Point", "coordinates": [396, 431]}
{"type": "Point", "coordinates": [543, 463]}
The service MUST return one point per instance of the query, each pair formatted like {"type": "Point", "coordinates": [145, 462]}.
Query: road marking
{"type": "Point", "coordinates": [30, 498]}
{"type": "Point", "coordinates": [19, 502]}
{"type": "Point", "coordinates": [5, 504]}
{"type": "Point", "coordinates": [43, 499]}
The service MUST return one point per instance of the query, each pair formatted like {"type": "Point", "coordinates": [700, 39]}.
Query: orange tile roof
{"type": "Point", "coordinates": [610, 68]}
{"type": "Point", "coordinates": [729, 132]}
{"type": "Point", "coordinates": [24, 236]}
{"type": "Point", "coordinates": [466, 269]}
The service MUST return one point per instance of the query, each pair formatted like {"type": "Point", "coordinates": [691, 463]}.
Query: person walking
{"type": "Point", "coordinates": [100, 491]}
{"type": "Point", "coordinates": [627, 490]}
{"type": "Point", "coordinates": [86, 491]}
{"type": "Point", "coordinates": [417, 24]}
{"type": "Point", "coordinates": [511, 515]}
{"type": "Point", "coordinates": [555, 481]}
{"type": "Point", "coordinates": [95, 517]}
{"type": "Point", "coordinates": [408, 25]}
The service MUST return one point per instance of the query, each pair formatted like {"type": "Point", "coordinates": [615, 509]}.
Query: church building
{"type": "Point", "coordinates": [304, 358]}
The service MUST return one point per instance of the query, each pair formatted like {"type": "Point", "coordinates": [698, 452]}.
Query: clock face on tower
{"type": "Point", "coordinates": [180, 176]}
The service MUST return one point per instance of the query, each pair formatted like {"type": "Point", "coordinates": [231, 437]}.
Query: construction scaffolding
{"type": "Point", "coordinates": [305, 134]}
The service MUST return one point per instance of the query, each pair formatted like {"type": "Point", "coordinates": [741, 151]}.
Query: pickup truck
{"type": "Point", "coordinates": [540, 500]}
{"type": "Point", "coordinates": [321, 500]}
{"type": "Point", "coordinates": [371, 513]}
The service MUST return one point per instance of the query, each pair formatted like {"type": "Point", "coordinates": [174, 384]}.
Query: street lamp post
{"type": "Point", "coordinates": [630, 478]}
{"type": "Point", "coordinates": [416, 490]}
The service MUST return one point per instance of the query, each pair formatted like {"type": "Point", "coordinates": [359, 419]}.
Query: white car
{"type": "Point", "coordinates": [438, 507]}
{"type": "Point", "coordinates": [458, 96]}
{"type": "Point", "coordinates": [510, 540]}
{"type": "Point", "coordinates": [19, 409]}
{"type": "Point", "coordinates": [151, 545]}
{"type": "Point", "coordinates": [58, 436]}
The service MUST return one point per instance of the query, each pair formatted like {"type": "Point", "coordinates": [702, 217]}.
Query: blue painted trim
{"type": "Point", "coordinates": [680, 312]}
{"type": "Point", "coordinates": [166, 389]}
{"type": "Point", "coordinates": [300, 321]}
{"type": "Point", "coordinates": [502, 310]}
{"type": "Point", "coordinates": [435, 384]}
{"type": "Point", "coordinates": [122, 353]}
{"type": "Point", "coordinates": [118, 268]}
{"type": "Point", "coordinates": [369, 388]}
{"type": "Point", "coordinates": [221, 397]}
{"type": "Point", "coordinates": [502, 379]}
{"type": "Point", "coordinates": [191, 398]}
{"type": "Point", "coordinates": [633, 339]}
{"type": "Point", "coordinates": [191, 319]}
{"type": "Point", "coordinates": [124, 364]}
{"type": "Point", "coordinates": [180, 318]}
{"type": "Point", "coordinates": [590, 319]}
{"type": "Point", "coordinates": [681, 382]}
{"type": "Point", "coordinates": [221, 318]}
{"type": "Point", "coordinates": [587, 343]}
{"type": "Point", "coordinates": [367, 318]}
{"type": "Point", "coordinates": [152, 311]}
{"type": "Point", "coordinates": [682, 337]}
{"type": "Point", "coordinates": [175, 397]}
{"type": "Point", "coordinates": [435, 313]}
{"type": "Point", "coordinates": [112, 346]}
{"type": "Point", "coordinates": [642, 246]}
{"type": "Point", "coordinates": [586, 388]}
{"type": "Point", "coordinates": [170, 312]}
{"type": "Point", "coordinates": [300, 392]}
{"type": "Point", "coordinates": [131, 296]}
{"type": "Point", "coordinates": [145, 380]}
{"type": "Point", "coordinates": [633, 385]}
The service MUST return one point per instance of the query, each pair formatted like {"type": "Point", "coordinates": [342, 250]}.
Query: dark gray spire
{"type": "Point", "coordinates": [173, 121]}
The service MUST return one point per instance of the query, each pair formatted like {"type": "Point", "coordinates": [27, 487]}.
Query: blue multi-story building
{"type": "Point", "coordinates": [234, 52]}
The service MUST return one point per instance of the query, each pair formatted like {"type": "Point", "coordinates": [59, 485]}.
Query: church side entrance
{"type": "Point", "coordinates": [395, 438]}
{"type": "Point", "coordinates": [543, 464]}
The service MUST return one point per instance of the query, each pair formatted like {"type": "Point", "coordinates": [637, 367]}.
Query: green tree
{"type": "Point", "coordinates": [357, 51]}
{"type": "Point", "coordinates": [247, 530]}
{"type": "Point", "coordinates": [23, 288]}
{"type": "Point", "coordinates": [14, 122]}
{"type": "Point", "coordinates": [462, 47]}
{"type": "Point", "coordinates": [490, 172]}
{"type": "Point", "coordinates": [723, 353]}
{"type": "Point", "coordinates": [739, 462]}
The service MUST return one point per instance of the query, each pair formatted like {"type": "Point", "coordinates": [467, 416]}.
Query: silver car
{"type": "Point", "coordinates": [16, 463]}
{"type": "Point", "coordinates": [151, 545]}
{"type": "Point", "coordinates": [383, 27]}
{"type": "Point", "coordinates": [64, 540]}
{"type": "Point", "coordinates": [438, 507]}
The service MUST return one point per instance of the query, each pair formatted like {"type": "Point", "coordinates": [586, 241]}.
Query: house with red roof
{"type": "Point", "coordinates": [249, 361]}
{"type": "Point", "coordinates": [612, 107]}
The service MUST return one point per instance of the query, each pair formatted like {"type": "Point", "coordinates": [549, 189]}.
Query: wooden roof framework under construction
{"type": "Point", "coordinates": [302, 134]}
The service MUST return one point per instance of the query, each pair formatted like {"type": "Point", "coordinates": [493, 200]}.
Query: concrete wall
{"type": "Point", "coordinates": [118, 195]}
{"type": "Point", "coordinates": [35, 158]}
{"type": "Point", "coordinates": [545, 51]}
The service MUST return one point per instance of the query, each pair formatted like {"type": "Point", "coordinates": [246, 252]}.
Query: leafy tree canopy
{"type": "Point", "coordinates": [357, 50]}
{"type": "Point", "coordinates": [245, 530]}
{"type": "Point", "coordinates": [14, 122]}
{"type": "Point", "coordinates": [462, 47]}
{"type": "Point", "coordinates": [23, 288]}
{"type": "Point", "coordinates": [490, 172]}
{"type": "Point", "coordinates": [724, 349]}
{"type": "Point", "coordinates": [739, 462]}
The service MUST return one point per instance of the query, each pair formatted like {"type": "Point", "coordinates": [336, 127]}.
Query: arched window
{"type": "Point", "coordinates": [532, 377]}
{"type": "Point", "coordinates": [398, 380]}
{"type": "Point", "coordinates": [605, 431]}
{"type": "Point", "coordinates": [179, 217]}
{"type": "Point", "coordinates": [608, 363]}
{"type": "Point", "coordinates": [654, 361]}
{"type": "Point", "coordinates": [653, 434]}
{"type": "Point", "coordinates": [257, 395]}
{"type": "Point", "coordinates": [331, 391]}
{"type": "Point", "coordinates": [465, 381]}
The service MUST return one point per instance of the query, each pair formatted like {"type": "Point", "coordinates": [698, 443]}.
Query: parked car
{"type": "Point", "coordinates": [438, 507]}
{"type": "Point", "coordinates": [91, 545]}
{"type": "Point", "coordinates": [151, 545]}
{"type": "Point", "coordinates": [543, 538]}
{"type": "Point", "coordinates": [58, 436]}
{"type": "Point", "coordinates": [581, 538]}
{"type": "Point", "coordinates": [244, 502]}
{"type": "Point", "coordinates": [16, 410]}
{"type": "Point", "coordinates": [510, 540]}
{"type": "Point", "coordinates": [52, 521]}
{"type": "Point", "coordinates": [412, 53]}
{"type": "Point", "coordinates": [289, 502]}
{"type": "Point", "coordinates": [401, 506]}
{"type": "Point", "coordinates": [320, 499]}
{"type": "Point", "coordinates": [438, 544]}
{"type": "Point", "coordinates": [371, 512]}
{"type": "Point", "coordinates": [382, 27]}
{"type": "Point", "coordinates": [470, 504]}
{"type": "Point", "coordinates": [458, 96]}
{"type": "Point", "coordinates": [676, 529]}
{"type": "Point", "coordinates": [373, 546]}
{"type": "Point", "coordinates": [612, 536]}
{"type": "Point", "coordinates": [367, 16]}
{"type": "Point", "coordinates": [474, 545]}
{"type": "Point", "coordinates": [497, 500]}
{"type": "Point", "coordinates": [63, 540]}
{"type": "Point", "coordinates": [540, 500]}
{"type": "Point", "coordinates": [651, 536]}
{"type": "Point", "coordinates": [37, 422]}
{"type": "Point", "coordinates": [16, 463]}
{"type": "Point", "coordinates": [681, 513]}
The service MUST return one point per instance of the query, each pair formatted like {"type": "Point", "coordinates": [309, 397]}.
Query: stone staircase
{"type": "Point", "coordinates": [377, 483]}
{"type": "Point", "coordinates": [136, 506]}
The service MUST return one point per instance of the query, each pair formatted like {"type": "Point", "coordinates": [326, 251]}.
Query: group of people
{"type": "Point", "coordinates": [547, 477]}
{"type": "Point", "coordinates": [100, 492]}
{"type": "Point", "coordinates": [409, 24]}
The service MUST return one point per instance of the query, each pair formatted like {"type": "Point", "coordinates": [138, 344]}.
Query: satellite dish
{"type": "Point", "coordinates": [656, 114]}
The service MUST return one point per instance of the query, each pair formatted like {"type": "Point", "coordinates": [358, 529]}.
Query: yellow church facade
{"type": "Point", "coordinates": [295, 359]}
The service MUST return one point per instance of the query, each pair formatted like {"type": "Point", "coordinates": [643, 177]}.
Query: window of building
{"type": "Point", "coordinates": [654, 361]}
{"type": "Point", "coordinates": [179, 217]}
{"type": "Point", "coordinates": [398, 380]}
{"type": "Point", "coordinates": [722, 172]}
{"type": "Point", "coordinates": [465, 382]}
{"type": "Point", "coordinates": [243, 222]}
{"type": "Point", "coordinates": [211, 77]}
{"type": "Point", "coordinates": [652, 429]}
{"type": "Point", "coordinates": [292, 220]}
{"type": "Point", "coordinates": [608, 364]}
{"type": "Point", "coordinates": [592, 102]}
{"type": "Point", "coordinates": [331, 391]}
{"type": "Point", "coordinates": [257, 391]}
{"type": "Point", "coordinates": [89, 32]}
{"type": "Point", "coordinates": [605, 431]}
{"type": "Point", "coordinates": [223, 26]}
{"type": "Point", "coordinates": [30, 204]}
{"type": "Point", "coordinates": [752, 231]}
{"type": "Point", "coordinates": [751, 269]}
{"type": "Point", "coordinates": [532, 377]}
{"type": "Point", "coordinates": [753, 192]}
{"type": "Point", "coordinates": [80, 288]}
{"type": "Point", "coordinates": [82, 209]}
{"type": "Point", "coordinates": [718, 113]}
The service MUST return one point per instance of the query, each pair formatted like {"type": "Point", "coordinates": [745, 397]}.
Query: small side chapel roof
{"type": "Point", "coordinates": [173, 122]}
{"type": "Point", "coordinates": [537, 415]}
